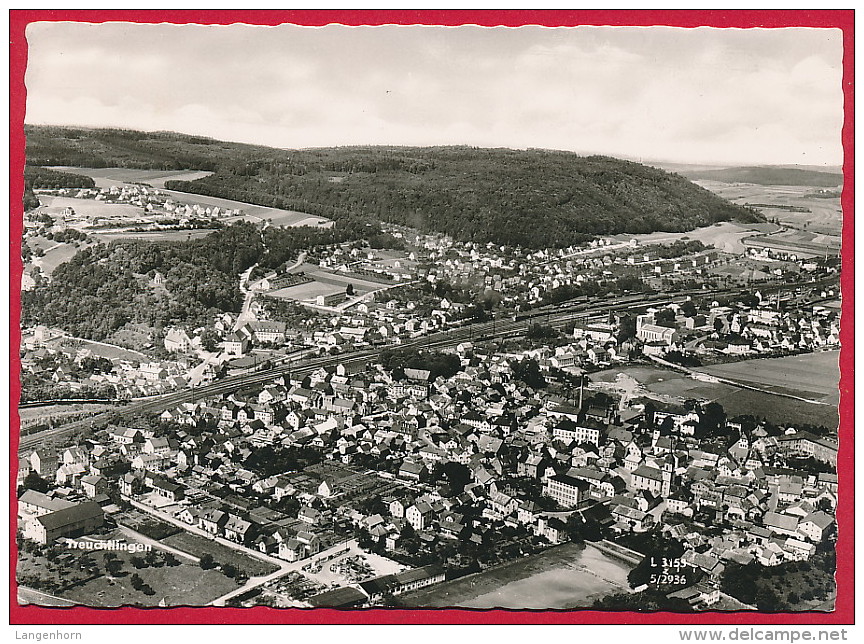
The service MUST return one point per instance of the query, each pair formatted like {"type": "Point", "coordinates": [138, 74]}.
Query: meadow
{"type": "Point", "coordinates": [108, 177]}
{"type": "Point", "coordinates": [825, 216]}
{"type": "Point", "coordinates": [813, 376]}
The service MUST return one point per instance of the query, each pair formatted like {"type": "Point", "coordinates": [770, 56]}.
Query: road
{"type": "Point", "coordinates": [248, 296]}
{"type": "Point", "coordinates": [38, 598]}
{"type": "Point", "coordinates": [134, 535]}
{"type": "Point", "coordinates": [249, 291]}
{"type": "Point", "coordinates": [286, 568]}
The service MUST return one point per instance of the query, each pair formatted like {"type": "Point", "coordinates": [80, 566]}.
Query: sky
{"type": "Point", "coordinates": [702, 96]}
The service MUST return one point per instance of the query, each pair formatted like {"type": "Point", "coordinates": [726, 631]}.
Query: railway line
{"type": "Point", "coordinates": [556, 316]}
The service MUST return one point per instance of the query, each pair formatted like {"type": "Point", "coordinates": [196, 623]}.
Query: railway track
{"type": "Point", "coordinates": [557, 317]}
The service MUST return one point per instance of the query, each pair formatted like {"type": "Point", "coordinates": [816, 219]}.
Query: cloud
{"type": "Point", "coordinates": [689, 95]}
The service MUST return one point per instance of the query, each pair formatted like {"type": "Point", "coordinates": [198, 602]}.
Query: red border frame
{"type": "Point", "coordinates": [841, 19]}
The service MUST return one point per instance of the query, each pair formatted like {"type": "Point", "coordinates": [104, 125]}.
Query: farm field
{"type": "Point", "coordinates": [198, 546]}
{"type": "Point", "coordinates": [826, 215]}
{"type": "Point", "coordinates": [816, 374]}
{"type": "Point", "coordinates": [725, 236]}
{"type": "Point", "coordinates": [676, 387]}
{"type": "Point", "coordinates": [158, 235]}
{"type": "Point", "coordinates": [803, 243]}
{"type": "Point", "coordinates": [107, 177]}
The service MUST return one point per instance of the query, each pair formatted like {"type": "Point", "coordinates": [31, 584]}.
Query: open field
{"type": "Point", "coordinates": [806, 375]}
{"type": "Point", "coordinates": [182, 585]}
{"type": "Point", "coordinates": [673, 386]}
{"type": "Point", "coordinates": [98, 349]}
{"type": "Point", "coordinates": [306, 292]}
{"type": "Point", "coordinates": [198, 546]}
{"type": "Point", "coordinates": [177, 585]}
{"type": "Point", "coordinates": [276, 216]}
{"type": "Point", "coordinates": [55, 254]}
{"type": "Point", "coordinates": [802, 243]}
{"type": "Point", "coordinates": [725, 236]}
{"type": "Point", "coordinates": [107, 177]}
{"type": "Point", "coordinates": [89, 207]}
{"type": "Point", "coordinates": [566, 577]}
{"type": "Point", "coordinates": [33, 414]}
{"type": "Point", "coordinates": [326, 283]}
{"type": "Point", "coordinates": [825, 214]}
{"type": "Point", "coordinates": [157, 235]}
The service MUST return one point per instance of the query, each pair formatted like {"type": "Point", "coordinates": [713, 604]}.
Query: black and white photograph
{"type": "Point", "coordinates": [430, 317]}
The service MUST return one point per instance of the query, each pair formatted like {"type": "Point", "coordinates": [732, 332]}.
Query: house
{"type": "Point", "coordinates": [397, 508]}
{"type": "Point", "coordinates": [130, 484]}
{"type": "Point", "coordinates": [156, 445]}
{"type": "Point", "coordinates": [213, 521]}
{"type": "Point", "coordinates": [502, 504]}
{"type": "Point", "coordinates": [93, 485]}
{"type": "Point", "coordinates": [553, 530]}
{"type": "Point", "coordinates": [177, 340]}
{"type": "Point", "coordinates": [815, 525]}
{"type": "Point", "coordinates": [586, 431]}
{"type": "Point", "coordinates": [268, 331]}
{"type": "Point", "coordinates": [796, 550]}
{"type": "Point", "coordinates": [781, 523]}
{"type": "Point", "coordinates": [237, 529]}
{"type": "Point", "coordinates": [309, 515]}
{"type": "Point", "coordinates": [70, 474]}
{"type": "Point", "coordinates": [168, 489]}
{"type": "Point", "coordinates": [419, 515]}
{"type": "Point", "coordinates": [301, 546]}
{"type": "Point", "coordinates": [44, 463]}
{"type": "Point", "coordinates": [235, 344]}
{"type": "Point", "coordinates": [73, 521]}
{"type": "Point", "coordinates": [36, 504]}
{"type": "Point", "coordinates": [75, 456]}
{"type": "Point", "coordinates": [633, 518]}
{"type": "Point", "coordinates": [412, 471]}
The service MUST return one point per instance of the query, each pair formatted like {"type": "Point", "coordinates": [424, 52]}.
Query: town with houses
{"type": "Point", "coordinates": [432, 451]}
{"type": "Point", "coordinates": [505, 452]}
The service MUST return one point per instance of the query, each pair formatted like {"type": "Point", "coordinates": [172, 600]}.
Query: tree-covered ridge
{"type": "Point", "coordinates": [38, 177]}
{"type": "Point", "coordinates": [104, 287]}
{"type": "Point", "coordinates": [533, 198]}
{"type": "Point", "coordinates": [771, 176]}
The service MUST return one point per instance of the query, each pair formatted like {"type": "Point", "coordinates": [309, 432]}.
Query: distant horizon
{"type": "Point", "coordinates": [830, 169]}
{"type": "Point", "coordinates": [698, 96]}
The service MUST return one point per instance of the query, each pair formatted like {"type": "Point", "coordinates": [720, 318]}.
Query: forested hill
{"type": "Point", "coordinates": [770, 176]}
{"type": "Point", "coordinates": [534, 198]}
